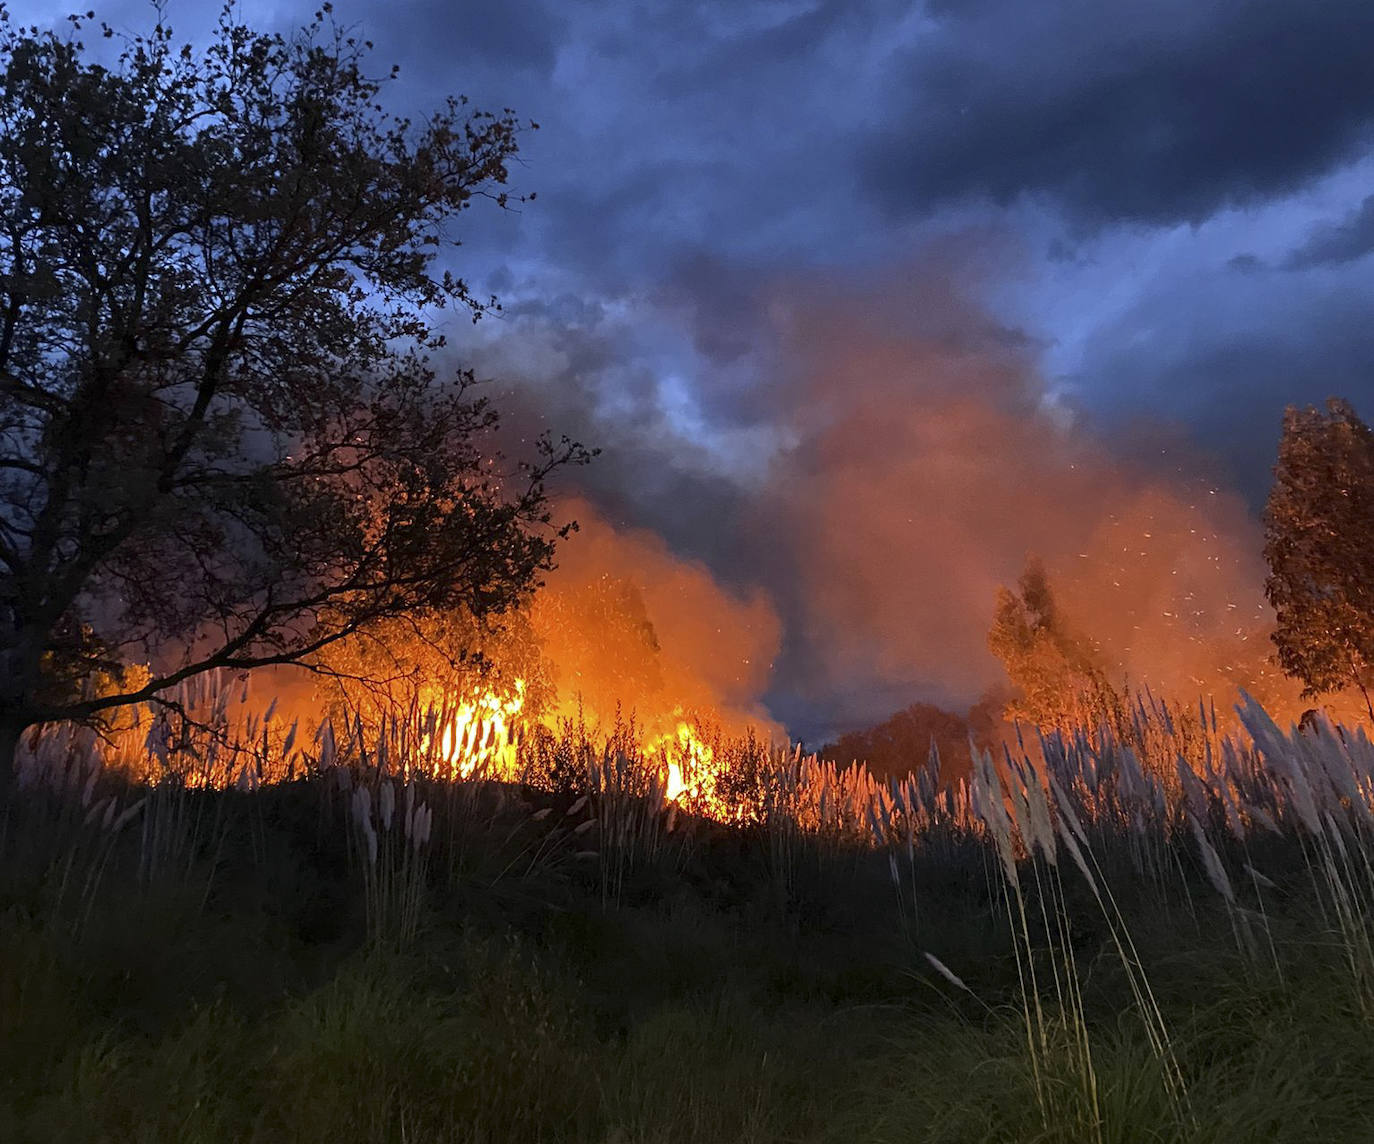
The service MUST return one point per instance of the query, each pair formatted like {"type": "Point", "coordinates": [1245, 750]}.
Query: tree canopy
{"type": "Point", "coordinates": [901, 743]}
{"type": "Point", "coordinates": [1319, 542]}
{"type": "Point", "coordinates": [223, 443]}
{"type": "Point", "coordinates": [1052, 667]}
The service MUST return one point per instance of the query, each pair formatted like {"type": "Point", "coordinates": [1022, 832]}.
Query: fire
{"type": "Point", "coordinates": [684, 746]}
{"type": "Point", "coordinates": [477, 735]}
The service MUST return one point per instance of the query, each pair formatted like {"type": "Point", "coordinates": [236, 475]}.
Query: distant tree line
{"type": "Point", "coordinates": [903, 741]}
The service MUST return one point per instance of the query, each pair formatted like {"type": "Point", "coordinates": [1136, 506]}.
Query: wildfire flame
{"type": "Point", "coordinates": [688, 761]}
{"type": "Point", "coordinates": [477, 733]}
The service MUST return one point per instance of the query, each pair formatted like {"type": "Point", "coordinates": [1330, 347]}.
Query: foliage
{"type": "Point", "coordinates": [902, 741]}
{"type": "Point", "coordinates": [1319, 542]}
{"type": "Point", "coordinates": [222, 443]}
{"type": "Point", "coordinates": [413, 661]}
{"type": "Point", "coordinates": [1055, 670]}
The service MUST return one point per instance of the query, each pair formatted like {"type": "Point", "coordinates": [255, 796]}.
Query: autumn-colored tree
{"type": "Point", "coordinates": [222, 444]}
{"type": "Point", "coordinates": [1056, 672]}
{"type": "Point", "coordinates": [1319, 542]}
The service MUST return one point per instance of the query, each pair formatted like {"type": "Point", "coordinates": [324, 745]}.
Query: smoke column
{"type": "Point", "coordinates": [906, 458]}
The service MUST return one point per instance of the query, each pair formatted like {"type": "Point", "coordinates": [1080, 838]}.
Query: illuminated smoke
{"type": "Point", "coordinates": [624, 621]}
{"type": "Point", "coordinates": [925, 459]}
{"type": "Point", "coordinates": [931, 462]}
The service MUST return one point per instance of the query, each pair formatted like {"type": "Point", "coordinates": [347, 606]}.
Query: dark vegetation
{"type": "Point", "coordinates": [232, 965]}
{"type": "Point", "coordinates": [1318, 524]}
{"type": "Point", "coordinates": [891, 748]}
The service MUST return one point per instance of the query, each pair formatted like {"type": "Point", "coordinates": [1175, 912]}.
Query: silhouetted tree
{"type": "Point", "coordinates": [1319, 542]}
{"type": "Point", "coordinates": [901, 743]}
{"type": "Point", "coordinates": [1054, 670]}
{"type": "Point", "coordinates": [221, 442]}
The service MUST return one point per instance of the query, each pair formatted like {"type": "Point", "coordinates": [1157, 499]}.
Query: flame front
{"type": "Point", "coordinates": [688, 762]}
{"type": "Point", "coordinates": [477, 735]}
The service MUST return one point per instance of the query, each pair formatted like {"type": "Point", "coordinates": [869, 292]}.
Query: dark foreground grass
{"type": "Point", "coordinates": [237, 997]}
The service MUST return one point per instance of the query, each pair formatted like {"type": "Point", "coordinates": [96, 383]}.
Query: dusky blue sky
{"type": "Point", "coordinates": [1165, 206]}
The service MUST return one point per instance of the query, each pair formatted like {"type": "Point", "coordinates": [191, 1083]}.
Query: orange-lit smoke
{"type": "Point", "coordinates": [929, 464]}
{"type": "Point", "coordinates": [926, 459]}
{"type": "Point", "coordinates": [623, 621]}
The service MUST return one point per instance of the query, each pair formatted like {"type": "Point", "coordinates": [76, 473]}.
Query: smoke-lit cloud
{"type": "Point", "coordinates": [915, 457]}
{"type": "Point", "coordinates": [627, 624]}
{"type": "Point", "coordinates": [929, 460]}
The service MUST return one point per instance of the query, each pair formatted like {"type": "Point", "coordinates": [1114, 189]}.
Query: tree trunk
{"type": "Point", "coordinates": [1368, 706]}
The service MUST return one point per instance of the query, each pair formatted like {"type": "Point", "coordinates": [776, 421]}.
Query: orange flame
{"type": "Point", "coordinates": [688, 762]}
{"type": "Point", "coordinates": [477, 736]}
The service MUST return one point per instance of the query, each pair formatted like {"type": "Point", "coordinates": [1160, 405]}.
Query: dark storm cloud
{"type": "Point", "coordinates": [494, 53]}
{"type": "Point", "coordinates": [1222, 379]}
{"type": "Point", "coordinates": [1147, 112]}
{"type": "Point", "coordinates": [720, 303]}
{"type": "Point", "coordinates": [1333, 245]}
{"type": "Point", "coordinates": [668, 127]}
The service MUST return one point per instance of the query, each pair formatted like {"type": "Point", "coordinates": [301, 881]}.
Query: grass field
{"type": "Point", "coordinates": [1075, 943]}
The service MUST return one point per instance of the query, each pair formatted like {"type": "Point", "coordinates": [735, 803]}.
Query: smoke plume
{"type": "Point", "coordinates": [626, 623]}
{"type": "Point", "coordinates": [891, 457]}
{"type": "Point", "coordinates": [931, 462]}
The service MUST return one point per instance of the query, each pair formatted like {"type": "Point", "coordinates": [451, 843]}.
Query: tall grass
{"type": "Point", "coordinates": [1031, 895]}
